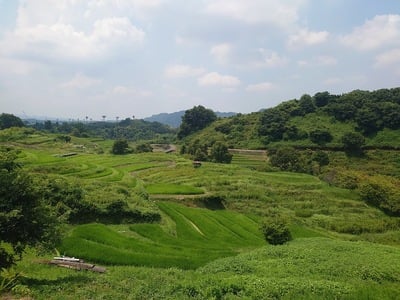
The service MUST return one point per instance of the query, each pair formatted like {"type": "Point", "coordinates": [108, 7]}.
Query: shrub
{"type": "Point", "coordinates": [120, 147]}
{"type": "Point", "coordinates": [144, 147]}
{"type": "Point", "coordinates": [353, 142]}
{"type": "Point", "coordinates": [342, 178]}
{"type": "Point", "coordinates": [320, 137]}
{"type": "Point", "coordinates": [220, 153]}
{"type": "Point", "coordinates": [286, 159]}
{"type": "Point", "coordinates": [381, 193]}
{"type": "Point", "coordinates": [9, 120]}
{"type": "Point", "coordinates": [276, 231]}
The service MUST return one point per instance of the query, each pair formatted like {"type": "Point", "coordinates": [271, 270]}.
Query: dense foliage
{"type": "Point", "coordinates": [370, 111]}
{"type": "Point", "coordinates": [289, 159]}
{"type": "Point", "coordinates": [199, 151]}
{"type": "Point", "coordinates": [120, 147]}
{"type": "Point", "coordinates": [383, 193]}
{"type": "Point", "coordinates": [276, 231]}
{"type": "Point", "coordinates": [353, 142]}
{"type": "Point", "coordinates": [317, 121]}
{"type": "Point", "coordinates": [26, 218]}
{"type": "Point", "coordinates": [128, 129]}
{"type": "Point", "coordinates": [9, 120]}
{"type": "Point", "coordinates": [220, 153]}
{"type": "Point", "coordinates": [195, 119]}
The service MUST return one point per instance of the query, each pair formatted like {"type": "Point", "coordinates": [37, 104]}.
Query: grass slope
{"type": "Point", "coordinates": [313, 268]}
{"type": "Point", "coordinates": [200, 236]}
{"type": "Point", "coordinates": [203, 254]}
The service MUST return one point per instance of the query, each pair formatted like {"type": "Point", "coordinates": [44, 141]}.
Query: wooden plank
{"type": "Point", "coordinates": [77, 265]}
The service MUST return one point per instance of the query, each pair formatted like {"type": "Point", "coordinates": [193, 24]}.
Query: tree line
{"type": "Point", "coordinates": [370, 111]}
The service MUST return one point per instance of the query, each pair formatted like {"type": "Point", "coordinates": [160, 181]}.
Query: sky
{"type": "Point", "coordinates": [123, 58]}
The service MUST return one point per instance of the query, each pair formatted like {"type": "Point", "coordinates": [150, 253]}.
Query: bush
{"type": "Point", "coordinates": [353, 142]}
{"type": "Point", "coordinates": [220, 153]}
{"type": "Point", "coordinates": [9, 120]}
{"type": "Point", "coordinates": [276, 231]}
{"type": "Point", "coordinates": [144, 147]}
{"type": "Point", "coordinates": [320, 137]}
{"type": "Point", "coordinates": [381, 193]}
{"type": "Point", "coordinates": [286, 158]}
{"type": "Point", "coordinates": [120, 147]}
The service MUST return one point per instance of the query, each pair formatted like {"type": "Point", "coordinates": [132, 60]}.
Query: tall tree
{"type": "Point", "coordinates": [120, 147]}
{"type": "Point", "coordinates": [26, 219]}
{"type": "Point", "coordinates": [220, 153]}
{"type": "Point", "coordinates": [353, 143]}
{"type": "Point", "coordinates": [195, 119]}
{"type": "Point", "coordinates": [321, 99]}
{"type": "Point", "coordinates": [273, 124]}
{"type": "Point", "coordinates": [9, 120]}
{"type": "Point", "coordinates": [306, 104]}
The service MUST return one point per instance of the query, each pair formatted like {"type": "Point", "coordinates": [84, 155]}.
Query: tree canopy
{"type": "Point", "coordinates": [195, 119]}
{"type": "Point", "coordinates": [120, 147]}
{"type": "Point", "coordinates": [9, 120]}
{"type": "Point", "coordinates": [220, 153]}
{"type": "Point", "coordinates": [26, 218]}
{"type": "Point", "coordinates": [353, 142]}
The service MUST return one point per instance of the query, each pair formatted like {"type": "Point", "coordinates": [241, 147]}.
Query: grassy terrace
{"type": "Point", "coordinates": [342, 248]}
{"type": "Point", "coordinates": [304, 199]}
{"type": "Point", "coordinates": [197, 236]}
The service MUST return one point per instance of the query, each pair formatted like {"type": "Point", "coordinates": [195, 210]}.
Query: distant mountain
{"type": "Point", "coordinates": [174, 119]}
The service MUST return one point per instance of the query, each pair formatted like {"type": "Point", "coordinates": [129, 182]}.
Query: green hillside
{"type": "Point", "coordinates": [166, 228]}
{"type": "Point", "coordinates": [198, 236]}
{"type": "Point", "coordinates": [306, 268]}
{"type": "Point", "coordinates": [375, 114]}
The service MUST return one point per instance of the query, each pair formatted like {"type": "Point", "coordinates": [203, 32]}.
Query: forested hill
{"type": "Point", "coordinates": [175, 119]}
{"type": "Point", "coordinates": [129, 129]}
{"type": "Point", "coordinates": [371, 118]}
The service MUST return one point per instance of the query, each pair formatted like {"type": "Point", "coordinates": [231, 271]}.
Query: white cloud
{"type": "Point", "coordinates": [221, 52]}
{"type": "Point", "coordinates": [322, 60]}
{"type": "Point", "coordinates": [375, 33]}
{"type": "Point", "coordinates": [388, 58]}
{"type": "Point", "coordinates": [270, 59]}
{"type": "Point", "coordinates": [186, 40]}
{"type": "Point", "coordinates": [260, 87]}
{"type": "Point", "coordinates": [326, 60]}
{"type": "Point", "coordinates": [48, 30]}
{"type": "Point", "coordinates": [216, 79]}
{"type": "Point", "coordinates": [303, 63]}
{"type": "Point", "coordinates": [18, 67]}
{"type": "Point", "coordinates": [305, 37]}
{"type": "Point", "coordinates": [257, 11]}
{"type": "Point", "coordinates": [137, 8]}
{"type": "Point", "coordinates": [178, 71]}
{"type": "Point", "coordinates": [80, 81]}
{"type": "Point", "coordinates": [112, 29]}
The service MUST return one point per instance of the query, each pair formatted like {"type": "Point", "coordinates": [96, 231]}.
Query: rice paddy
{"type": "Point", "coordinates": [198, 236]}
{"type": "Point", "coordinates": [208, 244]}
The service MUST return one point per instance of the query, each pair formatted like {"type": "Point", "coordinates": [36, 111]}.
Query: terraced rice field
{"type": "Point", "coordinates": [249, 158]}
{"type": "Point", "coordinates": [189, 238]}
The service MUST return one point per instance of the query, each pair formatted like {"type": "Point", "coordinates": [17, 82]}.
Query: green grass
{"type": "Point", "coordinates": [338, 251]}
{"type": "Point", "coordinates": [200, 236]}
{"type": "Point", "coordinates": [250, 160]}
{"type": "Point", "coordinates": [173, 189]}
{"type": "Point", "coordinates": [312, 268]}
